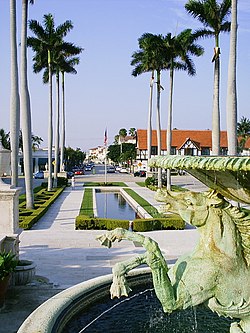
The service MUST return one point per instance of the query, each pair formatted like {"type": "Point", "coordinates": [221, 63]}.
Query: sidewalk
{"type": "Point", "coordinates": [65, 257]}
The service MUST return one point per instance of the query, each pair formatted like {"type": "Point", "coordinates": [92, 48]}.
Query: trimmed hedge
{"type": "Point", "coordinates": [171, 222]}
{"type": "Point", "coordinates": [42, 201]}
{"type": "Point", "coordinates": [99, 223]}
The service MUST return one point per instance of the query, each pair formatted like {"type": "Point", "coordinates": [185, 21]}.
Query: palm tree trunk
{"type": "Point", "coordinates": [57, 129]}
{"type": "Point", "coordinates": [158, 125]}
{"type": "Point", "coordinates": [169, 126]}
{"type": "Point", "coordinates": [216, 106]}
{"type": "Point", "coordinates": [14, 97]}
{"type": "Point", "coordinates": [63, 125]}
{"type": "Point", "coordinates": [50, 128]}
{"type": "Point", "coordinates": [231, 86]}
{"type": "Point", "coordinates": [26, 113]}
{"type": "Point", "coordinates": [149, 131]}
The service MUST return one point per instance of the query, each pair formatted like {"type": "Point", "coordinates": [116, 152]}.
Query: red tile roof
{"type": "Point", "coordinates": [201, 138]}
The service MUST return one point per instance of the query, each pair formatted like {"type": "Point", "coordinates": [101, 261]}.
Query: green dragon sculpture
{"type": "Point", "coordinates": [216, 273]}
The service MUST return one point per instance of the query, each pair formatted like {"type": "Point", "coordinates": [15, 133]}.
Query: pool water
{"type": "Point", "coordinates": [113, 205]}
{"type": "Point", "coordinates": [142, 313]}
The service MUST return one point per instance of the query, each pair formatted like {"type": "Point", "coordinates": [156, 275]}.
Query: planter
{"type": "Point", "coordinates": [23, 273]}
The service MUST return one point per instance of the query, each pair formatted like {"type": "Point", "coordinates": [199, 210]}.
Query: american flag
{"type": "Point", "coordinates": [105, 137]}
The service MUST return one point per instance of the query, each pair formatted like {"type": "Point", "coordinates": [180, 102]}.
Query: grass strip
{"type": "Point", "coordinates": [87, 203]}
{"type": "Point", "coordinates": [143, 203]}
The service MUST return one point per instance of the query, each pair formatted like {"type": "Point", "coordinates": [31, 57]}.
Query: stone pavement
{"type": "Point", "coordinates": [65, 257]}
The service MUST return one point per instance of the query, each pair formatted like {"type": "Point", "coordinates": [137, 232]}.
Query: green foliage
{"type": "Point", "coordinates": [73, 157]}
{"type": "Point", "coordinates": [5, 139]}
{"type": "Point", "coordinates": [123, 132]}
{"type": "Point", "coordinates": [243, 132]}
{"type": "Point", "coordinates": [8, 264]}
{"type": "Point", "coordinates": [114, 152]}
{"type": "Point", "coordinates": [122, 153]}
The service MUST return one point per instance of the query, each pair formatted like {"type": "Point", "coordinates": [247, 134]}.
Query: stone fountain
{"type": "Point", "coordinates": [217, 272]}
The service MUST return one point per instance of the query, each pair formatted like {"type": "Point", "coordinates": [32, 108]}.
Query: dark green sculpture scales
{"type": "Point", "coordinates": [217, 272]}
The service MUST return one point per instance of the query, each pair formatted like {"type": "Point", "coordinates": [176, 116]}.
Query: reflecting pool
{"type": "Point", "coordinates": [113, 205]}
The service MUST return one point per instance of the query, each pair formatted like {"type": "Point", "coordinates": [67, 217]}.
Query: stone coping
{"type": "Point", "coordinates": [219, 163]}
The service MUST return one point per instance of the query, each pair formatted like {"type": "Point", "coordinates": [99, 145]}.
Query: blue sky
{"type": "Point", "coordinates": [104, 93]}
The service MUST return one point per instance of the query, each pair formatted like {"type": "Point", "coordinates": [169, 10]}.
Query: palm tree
{"type": "Point", "coordinates": [213, 16]}
{"type": "Point", "coordinates": [62, 65]}
{"type": "Point", "coordinates": [14, 97]}
{"type": "Point", "coordinates": [179, 49]}
{"type": "Point", "coordinates": [26, 111]}
{"type": "Point", "coordinates": [5, 138]}
{"type": "Point", "coordinates": [243, 132]}
{"type": "Point", "coordinates": [151, 57]}
{"type": "Point", "coordinates": [231, 86]}
{"type": "Point", "coordinates": [143, 62]}
{"type": "Point", "coordinates": [46, 45]}
{"type": "Point", "coordinates": [67, 66]}
{"type": "Point", "coordinates": [132, 132]}
{"type": "Point", "coordinates": [63, 61]}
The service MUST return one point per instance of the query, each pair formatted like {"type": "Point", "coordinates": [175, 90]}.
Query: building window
{"type": "Point", "coordinates": [154, 150]}
{"type": "Point", "coordinates": [223, 151]}
{"type": "Point", "coordinates": [205, 151]}
{"type": "Point", "coordinates": [188, 151]}
{"type": "Point", "coordinates": [173, 151]}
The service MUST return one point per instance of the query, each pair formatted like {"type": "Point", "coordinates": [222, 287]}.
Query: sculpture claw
{"type": "Point", "coordinates": [110, 237]}
{"type": "Point", "coordinates": [104, 240]}
{"type": "Point", "coordinates": [119, 287]}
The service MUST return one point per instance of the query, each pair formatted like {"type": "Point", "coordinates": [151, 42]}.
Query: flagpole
{"type": "Point", "coordinates": [105, 165]}
{"type": "Point", "coordinates": [105, 161]}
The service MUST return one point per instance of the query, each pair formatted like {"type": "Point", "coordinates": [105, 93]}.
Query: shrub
{"type": "Point", "coordinates": [150, 181]}
{"type": "Point", "coordinates": [171, 222]}
{"type": "Point", "coordinates": [62, 181]}
{"type": "Point", "coordinates": [94, 223]}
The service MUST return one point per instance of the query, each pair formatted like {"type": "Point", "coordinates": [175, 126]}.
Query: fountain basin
{"type": "Point", "coordinates": [60, 313]}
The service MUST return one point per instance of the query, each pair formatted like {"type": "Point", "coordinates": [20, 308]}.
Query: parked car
{"type": "Point", "coordinates": [39, 175]}
{"type": "Point", "coordinates": [140, 173]}
{"type": "Point", "coordinates": [88, 167]}
{"type": "Point", "coordinates": [117, 168]}
{"type": "Point", "coordinates": [123, 170]}
{"type": "Point", "coordinates": [111, 169]}
{"type": "Point", "coordinates": [79, 172]}
{"type": "Point", "coordinates": [70, 174]}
